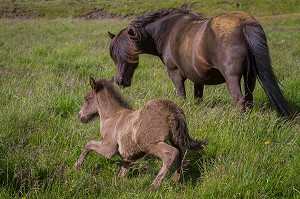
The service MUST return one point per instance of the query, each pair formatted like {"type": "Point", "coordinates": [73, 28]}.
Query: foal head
{"type": "Point", "coordinates": [102, 98]}
{"type": "Point", "coordinates": [89, 109]}
{"type": "Point", "coordinates": [124, 52]}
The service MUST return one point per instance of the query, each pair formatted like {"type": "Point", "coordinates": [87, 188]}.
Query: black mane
{"type": "Point", "coordinates": [143, 20]}
{"type": "Point", "coordinates": [112, 90]}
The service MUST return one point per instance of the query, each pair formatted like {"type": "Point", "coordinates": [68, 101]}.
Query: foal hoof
{"type": "Point", "coordinates": [77, 165]}
{"type": "Point", "coordinates": [175, 177]}
{"type": "Point", "coordinates": [153, 187]}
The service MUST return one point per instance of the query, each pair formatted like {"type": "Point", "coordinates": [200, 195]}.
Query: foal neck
{"type": "Point", "coordinates": [109, 104]}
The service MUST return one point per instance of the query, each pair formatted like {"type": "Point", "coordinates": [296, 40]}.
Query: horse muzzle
{"type": "Point", "coordinates": [122, 82]}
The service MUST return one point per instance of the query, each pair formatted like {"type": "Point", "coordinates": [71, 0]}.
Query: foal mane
{"type": "Point", "coordinates": [113, 92]}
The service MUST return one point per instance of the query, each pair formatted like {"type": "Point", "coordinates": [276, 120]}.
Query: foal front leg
{"type": "Point", "coordinates": [98, 146]}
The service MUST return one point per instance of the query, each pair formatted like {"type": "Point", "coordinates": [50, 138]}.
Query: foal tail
{"type": "Point", "coordinates": [259, 57]}
{"type": "Point", "coordinates": [180, 135]}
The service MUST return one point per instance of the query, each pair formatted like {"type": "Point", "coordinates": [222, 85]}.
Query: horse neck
{"type": "Point", "coordinates": [147, 44]}
{"type": "Point", "coordinates": [158, 31]}
{"type": "Point", "coordinates": [108, 106]}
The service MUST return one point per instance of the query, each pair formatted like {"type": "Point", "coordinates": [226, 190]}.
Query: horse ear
{"type": "Point", "coordinates": [111, 35]}
{"type": "Point", "coordinates": [93, 83]}
{"type": "Point", "coordinates": [131, 32]}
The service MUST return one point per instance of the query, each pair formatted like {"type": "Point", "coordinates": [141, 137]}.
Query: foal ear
{"type": "Point", "coordinates": [96, 87]}
{"type": "Point", "coordinates": [111, 35]}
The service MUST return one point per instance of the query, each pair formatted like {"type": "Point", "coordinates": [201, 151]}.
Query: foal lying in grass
{"type": "Point", "coordinates": [134, 133]}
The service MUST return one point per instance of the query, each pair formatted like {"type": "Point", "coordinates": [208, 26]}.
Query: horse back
{"type": "Point", "coordinates": [226, 33]}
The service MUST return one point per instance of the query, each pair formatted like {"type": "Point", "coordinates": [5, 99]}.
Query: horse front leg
{"type": "Point", "coordinates": [106, 150]}
{"type": "Point", "coordinates": [198, 90]}
{"type": "Point", "coordinates": [178, 80]}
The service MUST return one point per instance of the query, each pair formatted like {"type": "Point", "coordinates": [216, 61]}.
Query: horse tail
{"type": "Point", "coordinates": [259, 57]}
{"type": "Point", "coordinates": [180, 135]}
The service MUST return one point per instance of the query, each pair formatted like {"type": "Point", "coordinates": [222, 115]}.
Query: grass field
{"type": "Point", "coordinates": [45, 65]}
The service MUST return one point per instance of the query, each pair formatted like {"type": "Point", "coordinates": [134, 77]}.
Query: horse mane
{"type": "Point", "coordinates": [113, 91]}
{"type": "Point", "coordinates": [143, 20]}
{"type": "Point", "coordinates": [126, 49]}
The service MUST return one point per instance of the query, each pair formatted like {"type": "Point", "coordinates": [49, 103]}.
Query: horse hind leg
{"type": "Point", "coordinates": [249, 81]}
{"type": "Point", "coordinates": [169, 156]}
{"type": "Point", "coordinates": [234, 87]}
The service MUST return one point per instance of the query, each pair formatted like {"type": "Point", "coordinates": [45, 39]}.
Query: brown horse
{"type": "Point", "coordinates": [134, 133]}
{"type": "Point", "coordinates": [207, 51]}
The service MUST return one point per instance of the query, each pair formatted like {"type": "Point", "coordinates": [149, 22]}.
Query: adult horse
{"type": "Point", "coordinates": [207, 51]}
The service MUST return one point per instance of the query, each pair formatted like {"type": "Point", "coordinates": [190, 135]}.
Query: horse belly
{"type": "Point", "coordinates": [195, 59]}
{"type": "Point", "coordinates": [203, 73]}
{"type": "Point", "coordinates": [207, 77]}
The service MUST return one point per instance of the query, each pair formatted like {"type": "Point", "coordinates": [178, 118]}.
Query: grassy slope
{"type": "Point", "coordinates": [66, 8]}
{"type": "Point", "coordinates": [44, 69]}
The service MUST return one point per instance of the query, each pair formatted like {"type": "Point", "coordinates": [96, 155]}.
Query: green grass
{"type": "Point", "coordinates": [44, 70]}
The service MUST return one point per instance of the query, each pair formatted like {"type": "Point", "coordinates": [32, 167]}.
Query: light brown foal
{"type": "Point", "coordinates": [134, 133]}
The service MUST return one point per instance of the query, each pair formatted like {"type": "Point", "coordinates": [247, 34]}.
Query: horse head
{"type": "Point", "coordinates": [124, 52]}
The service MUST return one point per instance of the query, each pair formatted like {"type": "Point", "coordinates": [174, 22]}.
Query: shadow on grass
{"type": "Point", "coordinates": [199, 163]}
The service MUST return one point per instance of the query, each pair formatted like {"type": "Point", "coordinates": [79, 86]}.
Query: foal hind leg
{"type": "Point", "coordinates": [180, 163]}
{"type": "Point", "coordinates": [168, 154]}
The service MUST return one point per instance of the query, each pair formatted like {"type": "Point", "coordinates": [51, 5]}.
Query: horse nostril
{"type": "Point", "coordinates": [120, 82]}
